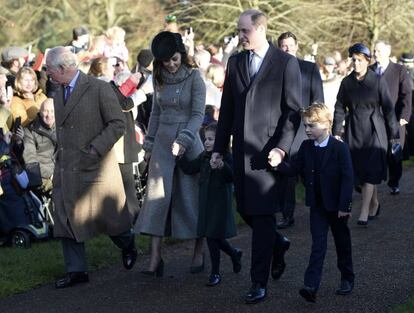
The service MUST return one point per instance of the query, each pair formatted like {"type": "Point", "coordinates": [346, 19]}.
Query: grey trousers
{"type": "Point", "coordinates": [74, 252]}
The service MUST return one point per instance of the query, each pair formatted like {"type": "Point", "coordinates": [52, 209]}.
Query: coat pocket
{"type": "Point", "coordinates": [90, 167]}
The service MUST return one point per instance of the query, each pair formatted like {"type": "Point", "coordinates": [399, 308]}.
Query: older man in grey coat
{"type": "Point", "coordinates": [88, 192]}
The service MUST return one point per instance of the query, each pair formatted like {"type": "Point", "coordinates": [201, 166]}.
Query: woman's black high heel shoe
{"type": "Point", "coordinates": [197, 269]}
{"type": "Point", "coordinates": [159, 270]}
{"type": "Point", "coordinates": [372, 217]}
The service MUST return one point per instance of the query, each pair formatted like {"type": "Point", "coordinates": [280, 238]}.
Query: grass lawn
{"type": "Point", "coordinates": [407, 307]}
{"type": "Point", "coordinates": [24, 269]}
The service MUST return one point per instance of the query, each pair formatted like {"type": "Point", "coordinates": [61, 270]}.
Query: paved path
{"type": "Point", "coordinates": [383, 260]}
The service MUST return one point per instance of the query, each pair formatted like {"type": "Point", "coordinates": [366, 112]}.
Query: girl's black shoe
{"type": "Point", "coordinates": [213, 280]}
{"type": "Point", "coordinates": [159, 271]}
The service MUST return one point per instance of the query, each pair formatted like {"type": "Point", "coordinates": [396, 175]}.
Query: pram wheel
{"type": "Point", "coordinates": [20, 239]}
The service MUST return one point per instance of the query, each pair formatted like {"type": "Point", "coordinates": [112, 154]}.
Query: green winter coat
{"type": "Point", "coordinates": [216, 216]}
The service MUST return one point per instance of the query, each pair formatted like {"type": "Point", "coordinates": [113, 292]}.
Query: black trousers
{"type": "Point", "coordinates": [265, 239]}
{"type": "Point", "coordinates": [320, 222]}
{"type": "Point", "coordinates": [395, 168]}
{"type": "Point", "coordinates": [74, 252]}
{"type": "Point", "coordinates": [288, 197]}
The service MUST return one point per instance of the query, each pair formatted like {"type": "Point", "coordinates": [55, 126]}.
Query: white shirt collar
{"type": "Point", "coordinates": [323, 144]}
{"type": "Point", "coordinates": [262, 52]}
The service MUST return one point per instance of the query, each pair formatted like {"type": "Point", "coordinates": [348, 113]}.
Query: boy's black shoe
{"type": "Point", "coordinates": [308, 293]}
{"type": "Point", "coordinates": [256, 294]}
{"type": "Point", "coordinates": [236, 260]}
{"type": "Point", "coordinates": [345, 288]}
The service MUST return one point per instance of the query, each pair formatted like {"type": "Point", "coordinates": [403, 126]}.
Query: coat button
{"type": "Point", "coordinates": [62, 169]}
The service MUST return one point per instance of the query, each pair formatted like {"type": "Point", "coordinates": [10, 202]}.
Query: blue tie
{"type": "Point", "coordinates": [68, 91]}
{"type": "Point", "coordinates": [380, 70]}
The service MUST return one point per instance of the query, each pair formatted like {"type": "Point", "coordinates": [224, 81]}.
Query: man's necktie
{"type": "Point", "coordinates": [68, 91]}
{"type": "Point", "coordinates": [253, 65]}
{"type": "Point", "coordinates": [380, 70]}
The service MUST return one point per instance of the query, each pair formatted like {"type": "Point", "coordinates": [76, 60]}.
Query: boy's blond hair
{"type": "Point", "coordinates": [319, 113]}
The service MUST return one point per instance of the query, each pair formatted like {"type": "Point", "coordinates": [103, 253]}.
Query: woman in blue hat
{"type": "Point", "coordinates": [170, 206]}
{"type": "Point", "coordinates": [364, 103]}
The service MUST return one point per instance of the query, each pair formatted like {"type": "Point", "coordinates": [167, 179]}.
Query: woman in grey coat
{"type": "Point", "coordinates": [170, 205]}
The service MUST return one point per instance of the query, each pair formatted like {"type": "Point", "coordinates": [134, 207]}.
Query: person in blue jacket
{"type": "Point", "coordinates": [325, 164]}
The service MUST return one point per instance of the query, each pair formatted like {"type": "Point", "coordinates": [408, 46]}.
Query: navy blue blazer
{"type": "Point", "coordinates": [336, 174]}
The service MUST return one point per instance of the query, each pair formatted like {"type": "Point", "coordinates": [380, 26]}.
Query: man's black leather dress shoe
{"type": "Point", "coordinates": [256, 294]}
{"type": "Point", "coordinates": [71, 279]}
{"type": "Point", "coordinates": [129, 257]}
{"type": "Point", "coordinates": [308, 293]}
{"type": "Point", "coordinates": [236, 260]}
{"type": "Point", "coordinates": [345, 288]}
{"type": "Point", "coordinates": [278, 263]}
{"type": "Point", "coordinates": [213, 280]}
{"type": "Point", "coordinates": [286, 223]}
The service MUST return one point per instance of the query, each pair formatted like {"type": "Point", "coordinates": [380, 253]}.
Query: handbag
{"type": "Point", "coordinates": [34, 174]}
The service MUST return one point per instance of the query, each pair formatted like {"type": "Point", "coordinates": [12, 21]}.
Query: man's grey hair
{"type": "Point", "coordinates": [61, 56]}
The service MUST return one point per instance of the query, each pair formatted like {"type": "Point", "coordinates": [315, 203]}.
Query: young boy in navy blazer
{"type": "Point", "coordinates": [325, 164]}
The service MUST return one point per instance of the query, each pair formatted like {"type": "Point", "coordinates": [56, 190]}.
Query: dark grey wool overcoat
{"type": "Point", "coordinates": [261, 114]}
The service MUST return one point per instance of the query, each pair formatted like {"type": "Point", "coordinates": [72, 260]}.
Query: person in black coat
{"type": "Point", "coordinates": [399, 86]}
{"type": "Point", "coordinates": [370, 125]}
{"type": "Point", "coordinates": [215, 214]}
{"type": "Point", "coordinates": [259, 107]}
{"type": "Point", "coordinates": [312, 91]}
{"type": "Point", "coordinates": [326, 167]}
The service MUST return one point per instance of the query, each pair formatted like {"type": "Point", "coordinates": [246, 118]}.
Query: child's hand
{"type": "Point", "coordinates": [218, 164]}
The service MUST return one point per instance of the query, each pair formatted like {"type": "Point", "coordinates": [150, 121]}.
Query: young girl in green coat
{"type": "Point", "coordinates": [215, 217]}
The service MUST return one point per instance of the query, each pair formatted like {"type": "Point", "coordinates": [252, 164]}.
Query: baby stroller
{"type": "Point", "coordinates": [23, 216]}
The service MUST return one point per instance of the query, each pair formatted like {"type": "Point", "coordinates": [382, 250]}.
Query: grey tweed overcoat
{"type": "Point", "coordinates": [88, 192]}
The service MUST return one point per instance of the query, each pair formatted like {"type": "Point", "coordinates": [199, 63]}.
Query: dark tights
{"type": "Point", "coordinates": [214, 246]}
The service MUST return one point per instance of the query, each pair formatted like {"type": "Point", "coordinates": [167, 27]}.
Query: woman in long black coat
{"type": "Point", "coordinates": [364, 103]}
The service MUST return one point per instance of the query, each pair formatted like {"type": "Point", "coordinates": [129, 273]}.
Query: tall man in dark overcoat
{"type": "Point", "coordinates": [399, 87]}
{"type": "Point", "coordinates": [312, 91]}
{"type": "Point", "coordinates": [88, 193]}
{"type": "Point", "coordinates": [260, 104]}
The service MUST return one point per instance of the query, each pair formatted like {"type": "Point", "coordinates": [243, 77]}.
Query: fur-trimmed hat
{"type": "Point", "coordinates": [166, 44]}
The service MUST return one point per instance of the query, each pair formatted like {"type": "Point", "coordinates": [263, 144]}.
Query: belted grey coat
{"type": "Point", "coordinates": [170, 205]}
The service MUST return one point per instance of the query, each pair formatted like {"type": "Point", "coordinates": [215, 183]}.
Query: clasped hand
{"type": "Point", "coordinates": [275, 157]}
{"type": "Point", "coordinates": [177, 149]}
{"type": "Point", "coordinates": [216, 161]}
